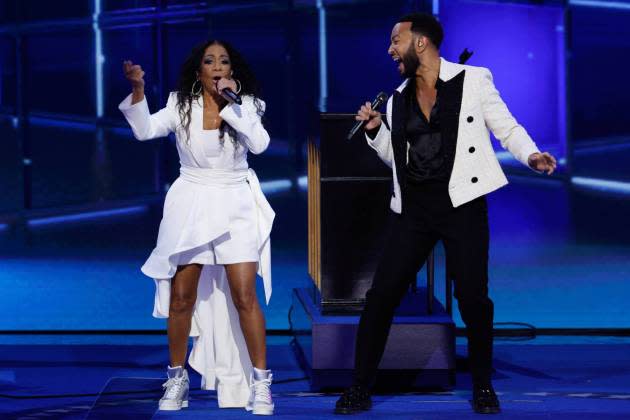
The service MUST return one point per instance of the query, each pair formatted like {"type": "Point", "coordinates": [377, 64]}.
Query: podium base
{"type": "Point", "coordinates": [420, 351]}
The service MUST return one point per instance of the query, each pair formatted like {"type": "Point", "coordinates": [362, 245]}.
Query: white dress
{"type": "Point", "coordinates": [215, 213]}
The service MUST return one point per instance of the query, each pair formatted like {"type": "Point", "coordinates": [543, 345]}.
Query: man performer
{"type": "Point", "coordinates": [435, 138]}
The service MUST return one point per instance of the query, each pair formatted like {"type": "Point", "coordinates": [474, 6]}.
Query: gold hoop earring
{"type": "Point", "coordinates": [238, 90]}
{"type": "Point", "coordinates": [192, 88]}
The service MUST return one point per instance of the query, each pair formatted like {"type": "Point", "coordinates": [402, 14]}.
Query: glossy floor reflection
{"type": "Point", "coordinates": [559, 257]}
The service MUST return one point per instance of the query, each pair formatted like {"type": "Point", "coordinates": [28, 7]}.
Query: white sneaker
{"type": "Point", "coordinates": [260, 401]}
{"type": "Point", "coordinates": [176, 390]}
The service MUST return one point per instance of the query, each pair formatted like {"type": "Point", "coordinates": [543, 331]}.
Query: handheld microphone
{"type": "Point", "coordinates": [378, 101]}
{"type": "Point", "coordinates": [228, 93]}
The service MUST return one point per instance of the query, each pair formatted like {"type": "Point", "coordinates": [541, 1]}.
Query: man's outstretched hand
{"type": "Point", "coordinates": [543, 162]}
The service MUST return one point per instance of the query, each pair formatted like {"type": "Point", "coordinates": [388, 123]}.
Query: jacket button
{"type": "Point", "coordinates": [474, 180]}
{"type": "Point", "coordinates": [471, 149]}
{"type": "Point", "coordinates": [470, 119]}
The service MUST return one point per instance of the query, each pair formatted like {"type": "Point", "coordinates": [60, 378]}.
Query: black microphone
{"type": "Point", "coordinates": [378, 101]}
{"type": "Point", "coordinates": [228, 94]}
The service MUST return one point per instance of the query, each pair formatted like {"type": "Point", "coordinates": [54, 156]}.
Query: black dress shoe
{"type": "Point", "coordinates": [485, 401]}
{"type": "Point", "coordinates": [353, 400]}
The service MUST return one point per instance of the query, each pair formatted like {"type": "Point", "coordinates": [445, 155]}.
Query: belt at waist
{"type": "Point", "coordinates": [218, 177]}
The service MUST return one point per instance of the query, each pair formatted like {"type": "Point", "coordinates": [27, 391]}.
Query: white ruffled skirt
{"type": "Point", "coordinates": [213, 218]}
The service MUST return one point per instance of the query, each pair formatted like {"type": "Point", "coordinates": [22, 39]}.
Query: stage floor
{"type": "Point", "coordinates": [558, 259]}
{"type": "Point", "coordinates": [69, 377]}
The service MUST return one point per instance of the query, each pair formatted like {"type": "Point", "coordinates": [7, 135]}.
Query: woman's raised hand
{"type": "Point", "coordinates": [134, 73]}
{"type": "Point", "coordinates": [223, 83]}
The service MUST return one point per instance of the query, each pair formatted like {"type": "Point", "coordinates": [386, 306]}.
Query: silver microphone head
{"type": "Point", "coordinates": [381, 98]}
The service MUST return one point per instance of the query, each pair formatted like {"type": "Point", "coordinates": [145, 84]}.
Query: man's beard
{"type": "Point", "coordinates": [410, 63]}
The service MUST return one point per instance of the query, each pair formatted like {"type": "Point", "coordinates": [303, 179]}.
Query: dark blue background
{"type": "Point", "coordinates": [560, 246]}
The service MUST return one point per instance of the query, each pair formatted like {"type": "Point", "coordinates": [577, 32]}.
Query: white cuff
{"type": "Point", "coordinates": [137, 110]}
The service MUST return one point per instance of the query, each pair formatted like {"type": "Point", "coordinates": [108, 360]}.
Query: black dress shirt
{"type": "Point", "coordinates": [429, 157]}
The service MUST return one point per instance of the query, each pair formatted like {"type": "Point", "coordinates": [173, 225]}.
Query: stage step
{"type": "Point", "coordinates": [420, 351]}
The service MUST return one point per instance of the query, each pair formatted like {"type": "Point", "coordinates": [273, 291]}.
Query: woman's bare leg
{"type": "Point", "coordinates": [183, 298]}
{"type": "Point", "coordinates": [242, 281]}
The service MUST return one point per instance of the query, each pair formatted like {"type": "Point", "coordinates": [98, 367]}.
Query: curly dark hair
{"type": "Point", "coordinates": [188, 76]}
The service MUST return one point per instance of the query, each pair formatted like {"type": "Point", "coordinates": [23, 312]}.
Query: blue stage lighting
{"type": "Point", "coordinates": [601, 4]}
{"type": "Point", "coordinates": [605, 185]}
{"type": "Point", "coordinates": [91, 215]}
{"type": "Point", "coordinates": [275, 186]}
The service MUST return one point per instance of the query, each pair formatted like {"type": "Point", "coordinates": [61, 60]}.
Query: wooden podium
{"type": "Point", "coordinates": [349, 191]}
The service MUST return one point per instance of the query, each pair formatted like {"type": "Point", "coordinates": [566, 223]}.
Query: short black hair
{"type": "Point", "coordinates": [427, 25]}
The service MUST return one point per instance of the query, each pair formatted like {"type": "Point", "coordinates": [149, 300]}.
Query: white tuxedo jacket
{"type": "Point", "coordinates": [473, 106]}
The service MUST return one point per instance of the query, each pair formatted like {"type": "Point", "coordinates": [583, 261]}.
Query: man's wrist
{"type": "Point", "coordinates": [372, 132]}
